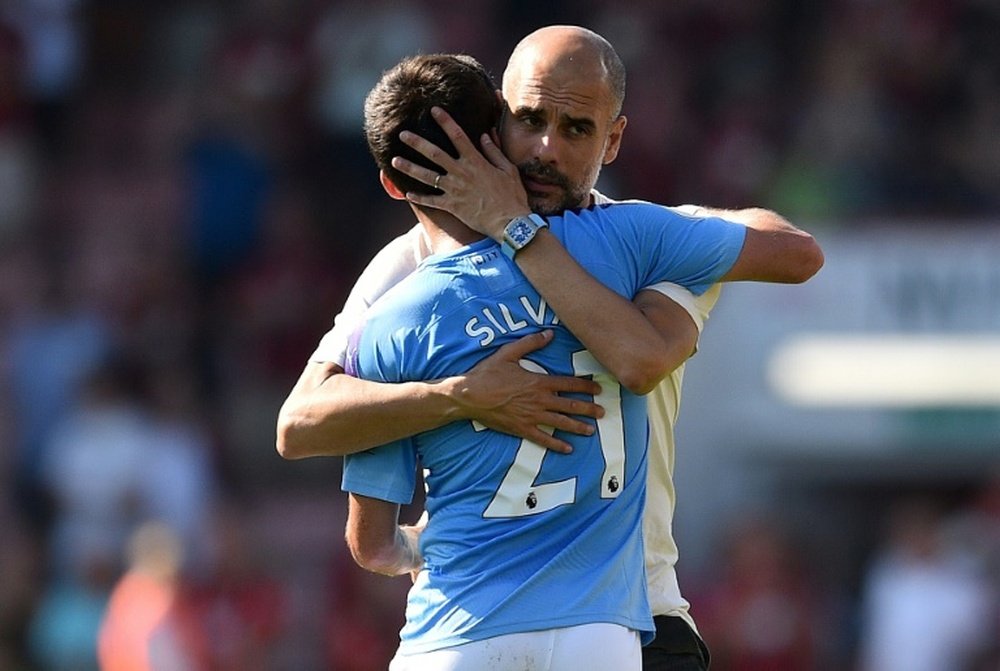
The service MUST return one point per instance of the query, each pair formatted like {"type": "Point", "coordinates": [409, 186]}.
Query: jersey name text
{"type": "Point", "coordinates": [500, 319]}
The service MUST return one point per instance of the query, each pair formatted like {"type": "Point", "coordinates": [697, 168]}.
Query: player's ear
{"type": "Point", "coordinates": [390, 188]}
{"type": "Point", "coordinates": [614, 139]}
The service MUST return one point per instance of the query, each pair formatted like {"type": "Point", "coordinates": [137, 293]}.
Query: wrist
{"type": "Point", "coordinates": [498, 222]}
{"type": "Point", "coordinates": [519, 232]}
{"type": "Point", "coordinates": [453, 394]}
{"type": "Point", "coordinates": [408, 557]}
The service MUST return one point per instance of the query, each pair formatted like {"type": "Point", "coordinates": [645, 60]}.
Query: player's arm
{"type": "Point", "coordinates": [377, 541]}
{"type": "Point", "coordinates": [614, 330]}
{"type": "Point", "coordinates": [773, 251]}
{"type": "Point", "coordinates": [329, 413]}
{"type": "Point", "coordinates": [674, 323]}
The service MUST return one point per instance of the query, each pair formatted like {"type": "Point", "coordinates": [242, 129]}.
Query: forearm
{"type": "Point", "coordinates": [377, 542]}
{"type": "Point", "coordinates": [332, 414]}
{"type": "Point", "coordinates": [756, 218]}
{"type": "Point", "coordinates": [775, 250]}
{"type": "Point", "coordinates": [611, 327]}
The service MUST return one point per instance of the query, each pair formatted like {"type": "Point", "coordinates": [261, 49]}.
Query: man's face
{"type": "Point", "coordinates": [559, 129]}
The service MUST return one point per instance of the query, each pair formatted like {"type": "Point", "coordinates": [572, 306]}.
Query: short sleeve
{"type": "Point", "coordinates": [689, 251]}
{"type": "Point", "coordinates": [388, 472]}
{"type": "Point", "coordinates": [697, 306]}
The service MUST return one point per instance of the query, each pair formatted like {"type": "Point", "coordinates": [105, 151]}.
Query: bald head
{"type": "Point", "coordinates": [567, 54]}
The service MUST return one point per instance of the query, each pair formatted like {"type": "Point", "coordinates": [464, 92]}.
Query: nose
{"type": "Point", "coordinates": [547, 148]}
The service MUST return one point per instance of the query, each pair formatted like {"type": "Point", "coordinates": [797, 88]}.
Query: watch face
{"type": "Point", "coordinates": [521, 232]}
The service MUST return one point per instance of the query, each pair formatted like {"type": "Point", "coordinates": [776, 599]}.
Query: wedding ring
{"type": "Point", "coordinates": [437, 180]}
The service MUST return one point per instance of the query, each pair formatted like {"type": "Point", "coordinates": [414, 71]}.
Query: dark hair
{"type": "Point", "coordinates": [403, 98]}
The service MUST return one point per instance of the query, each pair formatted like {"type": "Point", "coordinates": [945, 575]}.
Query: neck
{"type": "Point", "coordinates": [445, 232]}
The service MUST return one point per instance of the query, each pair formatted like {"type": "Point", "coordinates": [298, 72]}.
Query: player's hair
{"type": "Point", "coordinates": [403, 98]}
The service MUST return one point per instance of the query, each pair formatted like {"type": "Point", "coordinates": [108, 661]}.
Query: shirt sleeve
{"type": "Point", "coordinates": [697, 306]}
{"type": "Point", "coordinates": [387, 472]}
{"type": "Point", "coordinates": [693, 252]}
{"type": "Point", "coordinates": [390, 265]}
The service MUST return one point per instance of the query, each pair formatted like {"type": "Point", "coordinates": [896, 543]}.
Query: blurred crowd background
{"type": "Point", "coordinates": [186, 198]}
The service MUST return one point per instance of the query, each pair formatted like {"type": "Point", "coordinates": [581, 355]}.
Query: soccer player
{"type": "Point", "coordinates": [521, 555]}
{"type": "Point", "coordinates": [565, 88]}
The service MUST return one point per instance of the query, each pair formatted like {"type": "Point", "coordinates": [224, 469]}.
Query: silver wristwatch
{"type": "Point", "coordinates": [519, 232]}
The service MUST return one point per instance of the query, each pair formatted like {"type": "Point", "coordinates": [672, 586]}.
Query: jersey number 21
{"type": "Point", "coordinates": [519, 494]}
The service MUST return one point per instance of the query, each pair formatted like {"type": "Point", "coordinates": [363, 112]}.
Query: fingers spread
{"type": "Point", "coordinates": [572, 406]}
{"type": "Point", "coordinates": [424, 199]}
{"type": "Point", "coordinates": [568, 424]}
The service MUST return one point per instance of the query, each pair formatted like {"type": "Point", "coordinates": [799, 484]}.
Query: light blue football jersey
{"type": "Point", "coordinates": [520, 538]}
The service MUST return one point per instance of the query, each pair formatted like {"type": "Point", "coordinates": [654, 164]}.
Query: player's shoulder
{"type": "Point", "coordinates": [632, 209]}
{"type": "Point", "coordinates": [601, 200]}
{"type": "Point", "coordinates": [438, 286]}
{"type": "Point", "coordinates": [415, 292]}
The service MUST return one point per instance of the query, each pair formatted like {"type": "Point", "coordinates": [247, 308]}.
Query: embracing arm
{"type": "Point", "coordinates": [774, 250]}
{"type": "Point", "coordinates": [330, 413]}
{"type": "Point", "coordinates": [616, 331]}
{"type": "Point", "coordinates": [674, 323]}
{"type": "Point", "coordinates": [377, 541]}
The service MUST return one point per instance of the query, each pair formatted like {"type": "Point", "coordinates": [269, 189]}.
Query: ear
{"type": "Point", "coordinates": [614, 139]}
{"type": "Point", "coordinates": [495, 131]}
{"type": "Point", "coordinates": [390, 188]}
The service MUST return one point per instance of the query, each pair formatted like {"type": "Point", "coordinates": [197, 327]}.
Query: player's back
{"type": "Point", "coordinates": [519, 538]}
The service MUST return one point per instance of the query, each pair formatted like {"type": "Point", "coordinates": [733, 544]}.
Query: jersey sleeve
{"type": "Point", "coordinates": [387, 472]}
{"type": "Point", "coordinates": [696, 306]}
{"type": "Point", "coordinates": [390, 265]}
{"type": "Point", "coordinates": [693, 252]}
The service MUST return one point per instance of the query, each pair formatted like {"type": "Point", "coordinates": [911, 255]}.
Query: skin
{"type": "Point", "coordinates": [328, 413]}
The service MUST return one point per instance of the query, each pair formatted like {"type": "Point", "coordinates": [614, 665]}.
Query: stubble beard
{"type": "Point", "coordinates": [569, 197]}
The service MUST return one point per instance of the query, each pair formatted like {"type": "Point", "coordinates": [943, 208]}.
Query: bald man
{"type": "Point", "coordinates": [564, 88]}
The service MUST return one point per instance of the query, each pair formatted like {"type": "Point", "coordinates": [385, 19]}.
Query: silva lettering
{"type": "Point", "coordinates": [501, 319]}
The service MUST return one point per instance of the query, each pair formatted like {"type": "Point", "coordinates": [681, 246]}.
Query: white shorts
{"type": "Point", "coordinates": [587, 646]}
